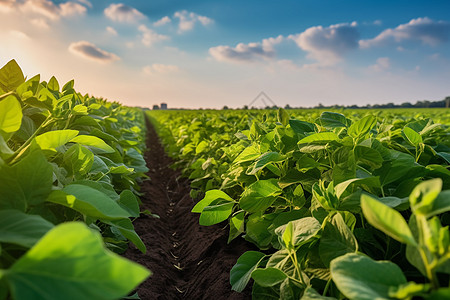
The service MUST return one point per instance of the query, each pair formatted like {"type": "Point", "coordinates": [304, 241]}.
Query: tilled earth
{"type": "Point", "coordinates": [188, 261]}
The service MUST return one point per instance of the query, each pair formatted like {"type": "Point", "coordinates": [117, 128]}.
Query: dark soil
{"type": "Point", "coordinates": [188, 261]}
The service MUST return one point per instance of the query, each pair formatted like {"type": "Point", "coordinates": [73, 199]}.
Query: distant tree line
{"type": "Point", "coordinates": [419, 104]}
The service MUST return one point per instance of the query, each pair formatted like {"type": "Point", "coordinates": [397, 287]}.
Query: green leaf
{"type": "Point", "coordinates": [362, 126]}
{"type": "Point", "coordinates": [337, 239]}
{"type": "Point", "coordinates": [89, 202]}
{"type": "Point", "coordinates": [301, 127]}
{"type": "Point", "coordinates": [22, 229]}
{"type": "Point", "coordinates": [26, 183]}
{"type": "Point", "coordinates": [213, 214]}
{"type": "Point", "coordinates": [11, 76]}
{"type": "Point", "coordinates": [320, 137]}
{"type": "Point", "coordinates": [53, 84]}
{"type": "Point", "coordinates": [368, 156]}
{"type": "Point", "coordinates": [78, 160]}
{"type": "Point", "coordinates": [298, 231]}
{"type": "Point", "coordinates": [54, 139]}
{"type": "Point", "coordinates": [241, 272]}
{"type": "Point", "coordinates": [201, 147]}
{"type": "Point", "coordinates": [387, 220]}
{"type": "Point", "coordinates": [10, 114]}
{"type": "Point", "coordinates": [359, 277]}
{"type": "Point", "coordinates": [248, 154]}
{"type": "Point", "coordinates": [127, 229]}
{"type": "Point", "coordinates": [423, 195]}
{"type": "Point", "coordinates": [283, 116]}
{"type": "Point", "coordinates": [236, 226]}
{"type": "Point", "coordinates": [210, 196]}
{"type": "Point", "coordinates": [311, 294]}
{"type": "Point", "coordinates": [333, 120]}
{"type": "Point", "coordinates": [71, 263]}
{"type": "Point", "coordinates": [412, 137]}
{"type": "Point", "coordinates": [408, 290]}
{"type": "Point", "coordinates": [93, 141]}
{"type": "Point", "coordinates": [129, 202]}
{"type": "Point", "coordinates": [266, 159]}
{"type": "Point", "coordinates": [268, 277]}
{"type": "Point", "coordinates": [259, 195]}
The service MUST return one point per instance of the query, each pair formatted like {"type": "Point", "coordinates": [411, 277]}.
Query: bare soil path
{"type": "Point", "coordinates": [188, 261]}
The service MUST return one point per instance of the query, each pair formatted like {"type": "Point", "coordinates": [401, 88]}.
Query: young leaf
{"type": "Point", "coordinates": [362, 126]}
{"type": "Point", "coordinates": [283, 116]}
{"type": "Point", "coordinates": [71, 260]}
{"type": "Point", "coordinates": [10, 114]}
{"type": "Point", "coordinates": [359, 277]}
{"type": "Point", "coordinates": [11, 76]}
{"type": "Point", "coordinates": [259, 195]}
{"type": "Point", "coordinates": [127, 229]}
{"type": "Point", "coordinates": [320, 137]}
{"type": "Point", "coordinates": [241, 272]}
{"type": "Point", "coordinates": [210, 196]}
{"type": "Point", "coordinates": [92, 141]}
{"type": "Point", "coordinates": [333, 120]}
{"type": "Point", "coordinates": [216, 213]}
{"type": "Point", "coordinates": [298, 231]}
{"type": "Point", "coordinates": [301, 127]}
{"type": "Point", "coordinates": [423, 195]}
{"type": "Point", "coordinates": [412, 137]}
{"type": "Point", "coordinates": [387, 220]}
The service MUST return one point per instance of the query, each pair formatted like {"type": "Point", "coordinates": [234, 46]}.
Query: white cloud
{"type": "Point", "coordinates": [86, 2]}
{"type": "Point", "coordinates": [111, 30]}
{"type": "Point", "coordinates": [187, 20]}
{"type": "Point", "coordinates": [382, 64]}
{"type": "Point", "coordinates": [251, 52]}
{"type": "Point", "coordinates": [160, 69]}
{"type": "Point", "coordinates": [163, 21]}
{"type": "Point", "coordinates": [40, 22]}
{"type": "Point", "coordinates": [423, 30]}
{"type": "Point", "coordinates": [327, 45]}
{"type": "Point", "coordinates": [149, 37]}
{"type": "Point", "coordinates": [44, 8]}
{"type": "Point", "coordinates": [90, 51]}
{"type": "Point", "coordinates": [123, 13]}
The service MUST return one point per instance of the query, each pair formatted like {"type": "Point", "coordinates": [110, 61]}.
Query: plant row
{"type": "Point", "coordinates": [69, 172]}
{"type": "Point", "coordinates": [348, 204]}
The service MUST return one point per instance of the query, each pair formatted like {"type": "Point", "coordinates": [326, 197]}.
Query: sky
{"type": "Point", "coordinates": [211, 53]}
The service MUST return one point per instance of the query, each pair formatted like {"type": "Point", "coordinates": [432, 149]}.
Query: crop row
{"type": "Point", "coordinates": [349, 204]}
{"type": "Point", "coordinates": [70, 166]}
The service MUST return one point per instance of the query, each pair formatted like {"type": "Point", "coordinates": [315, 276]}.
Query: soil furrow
{"type": "Point", "coordinates": [188, 261]}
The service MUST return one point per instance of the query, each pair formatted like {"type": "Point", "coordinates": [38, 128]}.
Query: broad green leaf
{"type": "Point", "coordinates": [301, 127]}
{"type": "Point", "coordinates": [412, 137]}
{"type": "Point", "coordinates": [283, 116]}
{"type": "Point", "coordinates": [26, 183]}
{"type": "Point", "coordinates": [92, 141]}
{"type": "Point", "coordinates": [54, 139]}
{"type": "Point", "coordinates": [337, 239]}
{"type": "Point", "coordinates": [387, 220]}
{"type": "Point", "coordinates": [319, 137]}
{"type": "Point", "coordinates": [298, 231]}
{"type": "Point", "coordinates": [333, 120]}
{"type": "Point", "coordinates": [256, 230]}
{"type": "Point", "coordinates": [11, 76]}
{"type": "Point", "coordinates": [129, 202]}
{"type": "Point", "coordinates": [248, 154]}
{"type": "Point", "coordinates": [210, 196]}
{"type": "Point", "coordinates": [89, 202]}
{"type": "Point", "coordinates": [201, 147]}
{"type": "Point", "coordinates": [266, 159]}
{"type": "Point", "coordinates": [71, 263]}
{"type": "Point", "coordinates": [368, 156]}
{"type": "Point", "coordinates": [213, 214]}
{"type": "Point", "coordinates": [440, 294]}
{"type": "Point", "coordinates": [259, 195]}
{"type": "Point", "coordinates": [19, 228]}
{"type": "Point", "coordinates": [265, 293]}
{"type": "Point", "coordinates": [359, 277]}
{"type": "Point", "coordinates": [408, 290]}
{"type": "Point", "coordinates": [423, 195]}
{"type": "Point", "coordinates": [397, 168]}
{"type": "Point", "coordinates": [241, 272]}
{"type": "Point", "coordinates": [441, 204]}
{"type": "Point", "coordinates": [78, 160]}
{"type": "Point", "coordinates": [10, 114]}
{"type": "Point", "coordinates": [53, 84]}
{"type": "Point", "coordinates": [268, 277]}
{"type": "Point", "coordinates": [127, 229]}
{"type": "Point", "coordinates": [362, 126]}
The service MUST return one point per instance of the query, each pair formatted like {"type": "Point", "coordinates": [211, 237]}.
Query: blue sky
{"type": "Point", "coordinates": [209, 53]}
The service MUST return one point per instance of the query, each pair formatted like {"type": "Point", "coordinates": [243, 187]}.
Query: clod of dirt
{"type": "Point", "coordinates": [188, 261]}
